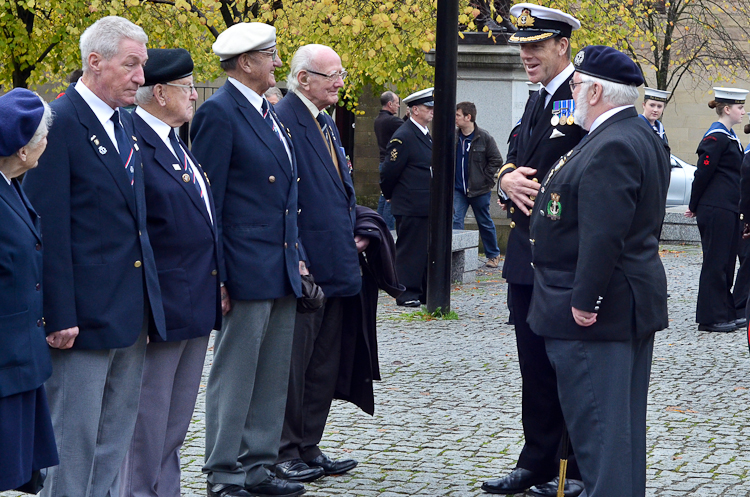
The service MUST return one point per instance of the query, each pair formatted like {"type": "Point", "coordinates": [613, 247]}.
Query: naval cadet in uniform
{"type": "Point", "coordinates": [405, 181]}
{"type": "Point", "coordinates": [547, 131]}
{"type": "Point", "coordinates": [600, 290]}
{"type": "Point", "coordinates": [180, 221]}
{"type": "Point", "coordinates": [654, 103]}
{"type": "Point", "coordinates": [714, 202]}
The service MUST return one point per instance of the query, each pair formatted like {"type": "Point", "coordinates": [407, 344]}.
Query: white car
{"type": "Point", "coordinates": [680, 182]}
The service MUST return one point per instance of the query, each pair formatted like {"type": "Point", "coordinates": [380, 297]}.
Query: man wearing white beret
{"type": "Point", "coordinates": [248, 156]}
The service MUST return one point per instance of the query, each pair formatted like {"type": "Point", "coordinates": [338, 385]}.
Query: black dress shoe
{"type": "Point", "coordinates": [297, 470]}
{"type": "Point", "coordinates": [573, 488]}
{"type": "Point", "coordinates": [718, 327]}
{"type": "Point", "coordinates": [519, 480]}
{"type": "Point", "coordinates": [332, 467]}
{"type": "Point", "coordinates": [226, 490]}
{"type": "Point", "coordinates": [276, 486]}
{"type": "Point", "coordinates": [410, 303]}
{"type": "Point", "coordinates": [740, 323]}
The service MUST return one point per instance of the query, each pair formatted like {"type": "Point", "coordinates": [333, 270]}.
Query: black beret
{"type": "Point", "coordinates": [21, 111]}
{"type": "Point", "coordinates": [167, 64]}
{"type": "Point", "coordinates": [608, 64]}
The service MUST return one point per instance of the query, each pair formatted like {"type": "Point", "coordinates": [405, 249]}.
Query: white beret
{"type": "Point", "coordinates": [244, 37]}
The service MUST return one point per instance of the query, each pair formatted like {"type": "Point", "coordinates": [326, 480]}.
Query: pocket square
{"type": "Point", "coordinates": [556, 134]}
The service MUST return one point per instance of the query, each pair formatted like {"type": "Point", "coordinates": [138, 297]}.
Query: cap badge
{"type": "Point", "coordinates": [525, 20]}
{"type": "Point", "coordinates": [579, 58]}
{"type": "Point", "coordinates": [554, 208]}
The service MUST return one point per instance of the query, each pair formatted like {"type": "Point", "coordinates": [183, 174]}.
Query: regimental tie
{"type": "Point", "coordinates": [326, 130]}
{"type": "Point", "coordinates": [183, 161]}
{"type": "Point", "coordinates": [266, 112]}
{"type": "Point", "coordinates": [124, 146]}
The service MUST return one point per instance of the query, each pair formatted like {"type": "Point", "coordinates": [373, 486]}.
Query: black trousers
{"type": "Point", "coordinates": [541, 414]}
{"type": "Point", "coordinates": [411, 256]}
{"type": "Point", "coordinates": [742, 281]}
{"type": "Point", "coordinates": [316, 353]}
{"type": "Point", "coordinates": [720, 230]}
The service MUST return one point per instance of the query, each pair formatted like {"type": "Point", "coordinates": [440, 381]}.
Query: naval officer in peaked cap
{"type": "Point", "coordinates": [547, 130]}
{"type": "Point", "coordinates": [405, 181]}
{"type": "Point", "coordinates": [600, 290]}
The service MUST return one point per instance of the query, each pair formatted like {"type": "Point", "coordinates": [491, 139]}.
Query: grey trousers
{"type": "Point", "coordinates": [171, 378]}
{"type": "Point", "coordinates": [603, 390]}
{"type": "Point", "coordinates": [93, 397]}
{"type": "Point", "coordinates": [246, 391]}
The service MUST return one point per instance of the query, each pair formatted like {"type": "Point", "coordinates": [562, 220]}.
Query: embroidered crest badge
{"type": "Point", "coordinates": [554, 208]}
{"type": "Point", "coordinates": [394, 155]}
{"type": "Point", "coordinates": [525, 20]}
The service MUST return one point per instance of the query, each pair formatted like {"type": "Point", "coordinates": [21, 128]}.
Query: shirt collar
{"type": "Point", "coordinates": [558, 80]}
{"type": "Point", "coordinates": [160, 127]}
{"type": "Point", "coordinates": [252, 97]}
{"type": "Point", "coordinates": [423, 129]}
{"type": "Point", "coordinates": [5, 177]}
{"type": "Point", "coordinates": [101, 110]}
{"type": "Point", "coordinates": [310, 106]}
{"type": "Point", "coordinates": [611, 112]}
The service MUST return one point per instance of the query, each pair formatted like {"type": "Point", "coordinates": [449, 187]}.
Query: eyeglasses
{"type": "Point", "coordinates": [190, 87]}
{"type": "Point", "coordinates": [334, 76]}
{"type": "Point", "coordinates": [573, 85]}
{"type": "Point", "coordinates": [272, 53]}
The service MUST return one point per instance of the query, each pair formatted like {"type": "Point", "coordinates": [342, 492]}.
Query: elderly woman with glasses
{"type": "Point", "coordinates": [27, 443]}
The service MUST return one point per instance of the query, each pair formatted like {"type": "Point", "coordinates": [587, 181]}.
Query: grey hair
{"type": "Point", "coordinates": [274, 91]}
{"type": "Point", "coordinates": [302, 60]}
{"type": "Point", "coordinates": [615, 94]}
{"type": "Point", "coordinates": [144, 95]}
{"type": "Point", "coordinates": [105, 35]}
{"type": "Point", "coordinates": [44, 125]}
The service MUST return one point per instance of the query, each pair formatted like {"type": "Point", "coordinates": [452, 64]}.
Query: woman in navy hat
{"type": "Point", "coordinates": [27, 443]}
{"type": "Point", "coordinates": [714, 202]}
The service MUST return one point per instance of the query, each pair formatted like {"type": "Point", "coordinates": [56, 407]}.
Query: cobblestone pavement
{"type": "Point", "coordinates": [448, 408]}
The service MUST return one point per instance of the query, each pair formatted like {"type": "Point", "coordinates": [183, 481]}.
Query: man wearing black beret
{"type": "Point", "coordinates": [180, 221]}
{"type": "Point", "coordinates": [600, 291]}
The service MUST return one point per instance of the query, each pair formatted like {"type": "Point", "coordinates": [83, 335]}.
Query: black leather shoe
{"type": "Point", "coordinates": [226, 490]}
{"type": "Point", "coordinates": [740, 323]}
{"type": "Point", "coordinates": [276, 486]}
{"type": "Point", "coordinates": [332, 467]}
{"type": "Point", "coordinates": [519, 480]}
{"type": "Point", "coordinates": [718, 327]}
{"type": "Point", "coordinates": [297, 470]}
{"type": "Point", "coordinates": [410, 303]}
{"type": "Point", "coordinates": [573, 488]}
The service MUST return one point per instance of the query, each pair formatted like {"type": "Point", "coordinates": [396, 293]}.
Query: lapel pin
{"type": "Point", "coordinates": [176, 167]}
{"type": "Point", "coordinates": [93, 137]}
{"type": "Point", "coordinates": [102, 150]}
{"type": "Point", "coordinates": [135, 146]}
{"type": "Point", "coordinates": [96, 142]}
{"type": "Point", "coordinates": [186, 178]}
{"type": "Point", "coordinates": [134, 138]}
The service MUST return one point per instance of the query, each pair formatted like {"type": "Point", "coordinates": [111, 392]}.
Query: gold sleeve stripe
{"type": "Point", "coordinates": [506, 166]}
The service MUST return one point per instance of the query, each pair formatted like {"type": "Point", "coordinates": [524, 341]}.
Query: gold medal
{"type": "Point", "coordinates": [571, 120]}
{"type": "Point", "coordinates": [555, 120]}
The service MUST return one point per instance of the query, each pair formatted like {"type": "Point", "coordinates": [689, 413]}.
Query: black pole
{"type": "Point", "coordinates": [443, 158]}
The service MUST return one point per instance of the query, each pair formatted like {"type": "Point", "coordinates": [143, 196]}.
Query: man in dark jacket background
{"type": "Point", "coordinates": [385, 125]}
{"type": "Point", "coordinates": [477, 161]}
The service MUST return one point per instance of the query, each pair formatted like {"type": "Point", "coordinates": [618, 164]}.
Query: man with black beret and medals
{"type": "Point", "coordinates": [600, 290]}
{"type": "Point", "coordinates": [654, 103]}
{"type": "Point", "coordinates": [547, 131]}
{"type": "Point", "coordinates": [405, 181]}
{"type": "Point", "coordinates": [180, 221]}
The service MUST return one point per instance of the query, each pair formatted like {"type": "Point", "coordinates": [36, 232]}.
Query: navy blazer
{"type": "Point", "coordinates": [183, 237]}
{"type": "Point", "coordinates": [407, 171]}
{"type": "Point", "coordinates": [255, 195]}
{"type": "Point", "coordinates": [24, 354]}
{"type": "Point", "coordinates": [327, 215]}
{"type": "Point", "coordinates": [101, 266]}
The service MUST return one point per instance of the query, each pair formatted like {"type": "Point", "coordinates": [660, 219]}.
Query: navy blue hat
{"type": "Point", "coordinates": [167, 64]}
{"type": "Point", "coordinates": [608, 64]}
{"type": "Point", "coordinates": [21, 111]}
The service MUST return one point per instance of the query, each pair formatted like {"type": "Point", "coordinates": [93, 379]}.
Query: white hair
{"type": "Point", "coordinates": [105, 35]}
{"type": "Point", "coordinates": [302, 61]}
{"type": "Point", "coordinates": [144, 95]}
{"type": "Point", "coordinates": [614, 94]}
{"type": "Point", "coordinates": [44, 125]}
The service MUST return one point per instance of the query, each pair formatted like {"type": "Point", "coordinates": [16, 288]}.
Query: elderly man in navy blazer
{"type": "Point", "coordinates": [181, 226]}
{"type": "Point", "coordinates": [326, 222]}
{"type": "Point", "coordinates": [101, 287]}
{"type": "Point", "coordinates": [249, 159]}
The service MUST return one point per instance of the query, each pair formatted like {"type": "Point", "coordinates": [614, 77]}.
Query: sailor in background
{"type": "Point", "coordinates": [654, 103]}
{"type": "Point", "coordinates": [714, 202]}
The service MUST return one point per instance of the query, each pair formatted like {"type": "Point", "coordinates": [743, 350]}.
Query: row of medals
{"type": "Point", "coordinates": [562, 120]}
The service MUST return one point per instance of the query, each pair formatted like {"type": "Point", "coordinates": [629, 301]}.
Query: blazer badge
{"type": "Point", "coordinates": [554, 208]}
{"type": "Point", "coordinates": [394, 155]}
